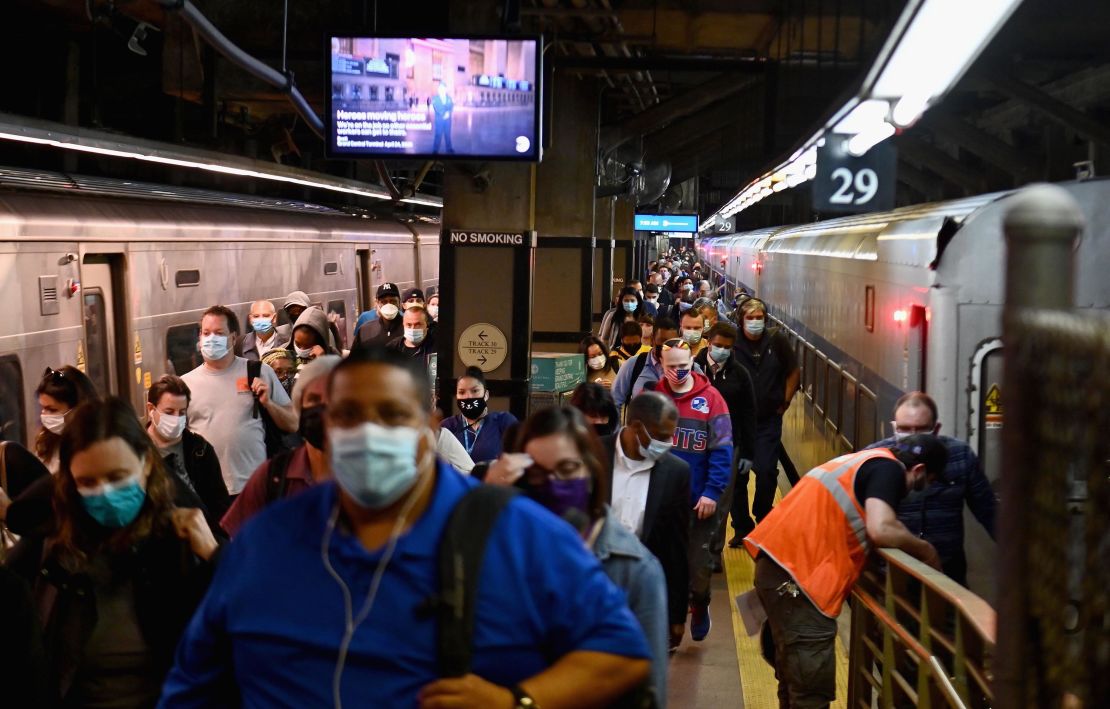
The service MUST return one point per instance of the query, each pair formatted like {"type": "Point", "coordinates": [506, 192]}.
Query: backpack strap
{"type": "Point", "coordinates": [637, 368]}
{"type": "Point", "coordinates": [254, 370]}
{"type": "Point", "coordinates": [277, 478]}
{"type": "Point", "coordinates": [461, 551]}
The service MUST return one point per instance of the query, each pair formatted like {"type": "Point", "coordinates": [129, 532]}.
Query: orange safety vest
{"type": "Point", "coordinates": [818, 533]}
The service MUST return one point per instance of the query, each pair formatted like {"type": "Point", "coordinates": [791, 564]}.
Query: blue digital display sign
{"type": "Point", "coordinates": [685, 223]}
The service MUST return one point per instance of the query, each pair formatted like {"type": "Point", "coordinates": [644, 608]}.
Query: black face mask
{"type": "Point", "coordinates": [603, 429]}
{"type": "Point", "coordinates": [472, 408]}
{"type": "Point", "coordinates": [311, 426]}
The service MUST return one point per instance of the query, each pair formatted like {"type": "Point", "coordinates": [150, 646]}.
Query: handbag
{"type": "Point", "coordinates": [7, 539]}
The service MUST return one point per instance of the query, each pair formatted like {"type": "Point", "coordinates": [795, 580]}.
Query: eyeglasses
{"type": "Point", "coordinates": [910, 430]}
{"type": "Point", "coordinates": [564, 469]}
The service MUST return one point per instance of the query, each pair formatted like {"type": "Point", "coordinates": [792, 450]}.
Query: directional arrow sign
{"type": "Point", "coordinates": [483, 345]}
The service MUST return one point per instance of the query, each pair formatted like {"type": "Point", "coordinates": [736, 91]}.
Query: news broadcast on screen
{"type": "Point", "coordinates": [443, 98]}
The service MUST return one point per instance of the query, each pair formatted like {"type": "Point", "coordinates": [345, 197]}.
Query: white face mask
{"type": "Point", "coordinates": [214, 347]}
{"type": "Point", "coordinates": [303, 353]}
{"type": "Point", "coordinates": [433, 310]}
{"type": "Point", "coordinates": [55, 423]}
{"type": "Point", "coordinates": [414, 335]}
{"type": "Point", "coordinates": [596, 363]}
{"type": "Point", "coordinates": [170, 427]}
{"type": "Point", "coordinates": [388, 311]}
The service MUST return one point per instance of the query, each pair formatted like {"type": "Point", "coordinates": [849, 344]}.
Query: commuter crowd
{"type": "Point", "coordinates": [298, 522]}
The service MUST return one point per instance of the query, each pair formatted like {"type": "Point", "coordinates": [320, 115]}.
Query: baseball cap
{"type": "Point", "coordinates": [412, 293]}
{"type": "Point", "coordinates": [386, 290]}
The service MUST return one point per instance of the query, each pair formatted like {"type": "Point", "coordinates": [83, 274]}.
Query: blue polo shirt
{"type": "Point", "coordinates": [271, 623]}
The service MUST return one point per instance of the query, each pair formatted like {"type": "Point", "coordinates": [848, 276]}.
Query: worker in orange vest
{"type": "Point", "coordinates": [810, 550]}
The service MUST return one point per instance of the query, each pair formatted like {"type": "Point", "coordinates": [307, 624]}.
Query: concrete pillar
{"type": "Point", "coordinates": [624, 214]}
{"type": "Point", "coordinates": [603, 257]}
{"type": "Point", "coordinates": [565, 220]}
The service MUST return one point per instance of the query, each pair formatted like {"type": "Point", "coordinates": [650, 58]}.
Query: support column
{"type": "Point", "coordinates": [624, 214]}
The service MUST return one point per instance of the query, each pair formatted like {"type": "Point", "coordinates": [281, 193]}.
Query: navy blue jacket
{"type": "Point", "coordinates": [937, 513]}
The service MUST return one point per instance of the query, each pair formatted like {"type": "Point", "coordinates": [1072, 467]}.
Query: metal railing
{"type": "Point", "coordinates": [918, 638]}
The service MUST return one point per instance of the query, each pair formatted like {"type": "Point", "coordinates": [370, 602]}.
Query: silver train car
{"type": "Point", "coordinates": [880, 304]}
{"type": "Point", "coordinates": [112, 277]}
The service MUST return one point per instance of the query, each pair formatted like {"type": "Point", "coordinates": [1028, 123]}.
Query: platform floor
{"type": "Point", "coordinates": [726, 669]}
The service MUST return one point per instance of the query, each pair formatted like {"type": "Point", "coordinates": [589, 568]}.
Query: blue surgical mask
{"type": "Point", "coordinates": [415, 335]}
{"type": "Point", "coordinates": [754, 327]}
{"type": "Point", "coordinates": [655, 449]}
{"type": "Point", "coordinates": [683, 307]}
{"type": "Point", "coordinates": [692, 337]}
{"type": "Point", "coordinates": [719, 354]}
{"type": "Point", "coordinates": [262, 325]}
{"type": "Point", "coordinates": [214, 347]}
{"type": "Point", "coordinates": [630, 306]}
{"type": "Point", "coordinates": [115, 505]}
{"type": "Point", "coordinates": [375, 465]}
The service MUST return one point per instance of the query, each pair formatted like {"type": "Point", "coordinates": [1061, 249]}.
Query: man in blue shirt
{"type": "Point", "coordinates": [937, 513]}
{"type": "Point", "coordinates": [323, 599]}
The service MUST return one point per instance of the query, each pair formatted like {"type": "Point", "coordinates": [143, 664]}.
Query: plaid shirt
{"type": "Point", "coordinates": [937, 513]}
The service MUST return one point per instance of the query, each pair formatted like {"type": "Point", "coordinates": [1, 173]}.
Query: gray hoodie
{"type": "Point", "coordinates": [313, 318]}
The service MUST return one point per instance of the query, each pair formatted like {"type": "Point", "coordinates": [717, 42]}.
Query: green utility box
{"type": "Point", "coordinates": [557, 372]}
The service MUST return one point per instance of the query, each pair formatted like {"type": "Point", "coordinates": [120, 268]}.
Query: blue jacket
{"type": "Point", "coordinates": [633, 569]}
{"type": "Point", "coordinates": [937, 513]}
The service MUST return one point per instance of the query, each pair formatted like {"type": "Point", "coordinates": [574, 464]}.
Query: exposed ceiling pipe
{"type": "Point", "coordinates": [230, 51]}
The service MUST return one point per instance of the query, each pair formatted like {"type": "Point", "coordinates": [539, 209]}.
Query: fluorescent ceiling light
{"type": "Point", "coordinates": [860, 143]}
{"type": "Point", "coordinates": [863, 117]}
{"type": "Point", "coordinates": [24, 130]}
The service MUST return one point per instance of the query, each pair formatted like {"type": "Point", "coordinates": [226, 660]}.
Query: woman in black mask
{"type": "Point", "coordinates": [290, 473]}
{"type": "Point", "coordinates": [596, 404]}
{"type": "Point", "coordinates": [477, 428]}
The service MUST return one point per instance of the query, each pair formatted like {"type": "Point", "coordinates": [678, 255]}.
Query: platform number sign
{"type": "Point", "coordinates": [845, 183]}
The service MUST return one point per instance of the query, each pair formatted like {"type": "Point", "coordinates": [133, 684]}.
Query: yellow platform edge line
{"type": "Point", "coordinates": [757, 678]}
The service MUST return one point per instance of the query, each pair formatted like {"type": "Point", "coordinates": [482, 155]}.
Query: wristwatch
{"type": "Point", "coordinates": [522, 698]}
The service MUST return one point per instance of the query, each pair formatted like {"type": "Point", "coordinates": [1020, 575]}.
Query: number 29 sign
{"type": "Point", "coordinates": [845, 183]}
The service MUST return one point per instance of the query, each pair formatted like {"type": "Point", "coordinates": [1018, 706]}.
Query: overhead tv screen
{"type": "Point", "coordinates": [407, 97]}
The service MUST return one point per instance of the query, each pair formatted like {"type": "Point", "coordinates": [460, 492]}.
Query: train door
{"type": "Point", "coordinates": [363, 279]}
{"type": "Point", "coordinates": [104, 312]}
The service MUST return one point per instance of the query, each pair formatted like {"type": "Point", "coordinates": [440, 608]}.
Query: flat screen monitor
{"type": "Point", "coordinates": [466, 98]}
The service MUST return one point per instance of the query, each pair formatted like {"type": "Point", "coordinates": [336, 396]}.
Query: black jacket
{"type": "Point", "coordinates": [206, 477]}
{"type": "Point", "coordinates": [169, 584]}
{"type": "Point", "coordinates": [666, 530]}
{"type": "Point", "coordinates": [770, 361]}
{"type": "Point", "coordinates": [735, 384]}
{"type": "Point", "coordinates": [380, 331]}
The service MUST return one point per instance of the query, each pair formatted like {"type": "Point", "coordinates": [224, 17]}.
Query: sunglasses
{"type": "Point", "coordinates": [53, 374]}
{"type": "Point", "coordinates": [676, 343]}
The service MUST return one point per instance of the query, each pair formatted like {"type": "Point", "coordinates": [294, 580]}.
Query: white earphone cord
{"type": "Point", "coordinates": [352, 623]}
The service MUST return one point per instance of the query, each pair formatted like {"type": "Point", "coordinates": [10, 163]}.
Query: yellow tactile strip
{"type": "Point", "coordinates": [757, 678]}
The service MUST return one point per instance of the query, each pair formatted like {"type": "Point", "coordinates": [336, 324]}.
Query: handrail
{"type": "Point", "coordinates": [918, 636]}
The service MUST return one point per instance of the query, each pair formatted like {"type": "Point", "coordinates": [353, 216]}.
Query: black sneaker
{"type": "Point", "coordinates": [737, 541]}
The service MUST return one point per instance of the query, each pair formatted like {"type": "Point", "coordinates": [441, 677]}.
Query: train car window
{"type": "Point", "coordinates": [869, 308]}
{"type": "Point", "coordinates": [820, 388]}
{"type": "Point", "coordinates": [848, 410]}
{"type": "Point", "coordinates": [331, 268]}
{"type": "Point", "coordinates": [832, 410]}
{"type": "Point", "coordinates": [187, 278]}
{"type": "Point", "coordinates": [11, 400]}
{"type": "Point", "coordinates": [96, 339]}
{"type": "Point", "coordinates": [867, 418]}
{"type": "Point", "coordinates": [181, 348]}
{"type": "Point", "coordinates": [337, 313]}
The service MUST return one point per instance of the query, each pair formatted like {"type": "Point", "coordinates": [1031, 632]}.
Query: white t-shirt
{"type": "Point", "coordinates": [220, 409]}
{"type": "Point", "coordinates": [630, 489]}
{"type": "Point", "coordinates": [449, 448]}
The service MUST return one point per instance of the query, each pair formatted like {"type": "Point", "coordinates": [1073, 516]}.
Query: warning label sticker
{"type": "Point", "coordinates": [992, 407]}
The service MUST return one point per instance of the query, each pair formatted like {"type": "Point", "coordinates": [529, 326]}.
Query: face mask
{"type": "Point", "coordinates": [629, 306]}
{"type": "Point", "coordinates": [55, 423]}
{"type": "Point", "coordinates": [603, 429]}
{"type": "Point", "coordinates": [115, 505]}
{"type": "Point", "coordinates": [596, 363]}
{"type": "Point", "coordinates": [692, 337]}
{"type": "Point", "coordinates": [630, 347]}
{"type": "Point", "coordinates": [676, 376]}
{"type": "Point", "coordinates": [719, 354]}
{"type": "Point", "coordinates": [170, 427]}
{"type": "Point", "coordinates": [388, 311]}
{"type": "Point", "coordinates": [213, 347]}
{"type": "Point", "coordinates": [653, 299]}
{"type": "Point", "coordinates": [414, 335]}
{"type": "Point", "coordinates": [683, 307]}
{"type": "Point", "coordinates": [262, 325]}
{"type": "Point", "coordinates": [753, 327]}
{"type": "Point", "coordinates": [472, 408]}
{"type": "Point", "coordinates": [688, 287]}
{"type": "Point", "coordinates": [433, 310]}
{"type": "Point", "coordinates": [311, 425]}
{"type": "Point", "coordinates": [563, 496]}
{"type": "Point", "coordinates": [376, 465]}
{"type": "Point", "coordinates": [655, 449]}
{"type": "Point", "coordinates": [305, 353]}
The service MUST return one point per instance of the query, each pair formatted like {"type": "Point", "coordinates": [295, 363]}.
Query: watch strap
{"type": "Point", "coordinates": [522, 698]}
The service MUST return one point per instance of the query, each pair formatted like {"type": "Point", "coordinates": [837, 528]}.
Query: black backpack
{"type": "Point", "coordinates": [461, 552]}
{"type": "Point", "coordinates": [273, 434]}
{"type": "Point", "coordinates": [277, 480]}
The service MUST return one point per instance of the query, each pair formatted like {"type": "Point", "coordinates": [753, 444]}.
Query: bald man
{"type": "Point", "coordinates": [263, 333]}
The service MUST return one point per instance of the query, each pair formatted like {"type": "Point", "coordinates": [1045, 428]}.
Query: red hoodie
{"type": "Point", "coordinates": [703, 437]}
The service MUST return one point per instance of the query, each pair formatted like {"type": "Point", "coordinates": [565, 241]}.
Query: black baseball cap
{"type": "Point", "coordinates": [412, 293]}
{"type": "Point", "coordinates": [386, 290]}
